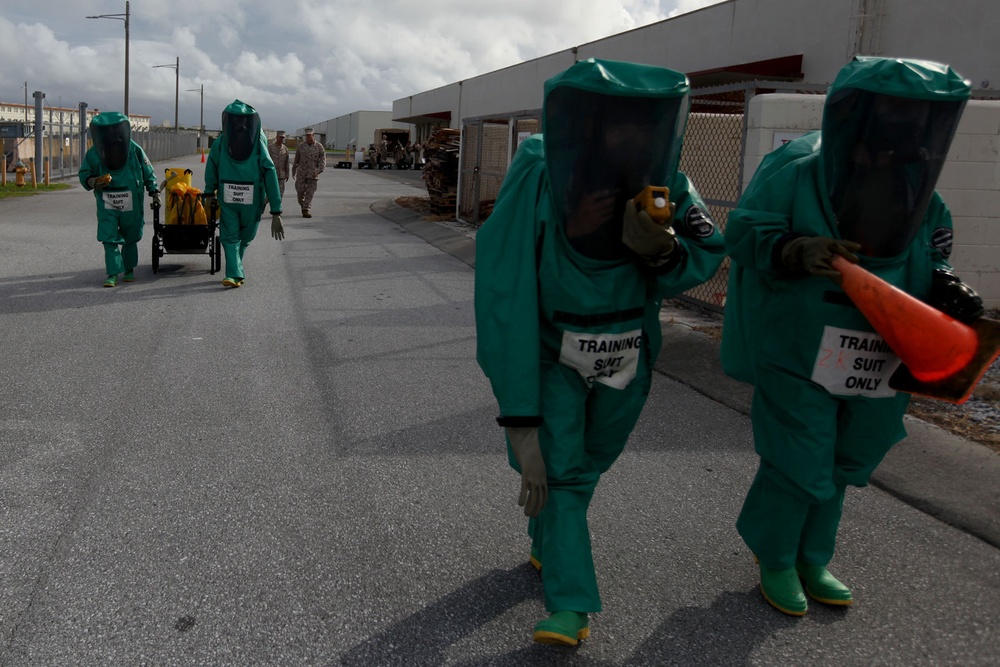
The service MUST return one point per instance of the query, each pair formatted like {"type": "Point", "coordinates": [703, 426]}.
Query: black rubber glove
{"type": "Point", "coordinates": [811, 255]}
{"type": "Point", "coordinates": [953, 297]}
{"type": "Point", "coordinates": [534, 482]}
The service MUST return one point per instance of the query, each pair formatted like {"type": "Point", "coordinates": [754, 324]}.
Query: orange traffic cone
{"type": "Point", "coordinates": [933, 345]}
{"type": "Point", "coordinates": [203, 157]}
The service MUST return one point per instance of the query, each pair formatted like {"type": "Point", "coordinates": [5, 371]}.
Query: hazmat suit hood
{"type": "Point", "coordinates": [610, 127]}
{"type": "Point", "coordinates": [112, 137]}
{"type": "Point", "coordinates": [887, 127]}
{"type": "Point", "coordinates": [240, 130]}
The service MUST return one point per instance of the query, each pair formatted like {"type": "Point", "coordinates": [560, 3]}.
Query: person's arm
{"type": "Point", "coordinates": [148, 175]}
{"type": "Point", "coordinates": [948, 293]}
{"type": "Point", "coordinates": [700, 247]}
{"type": "Point", "coordinates": [90, 167]}
{"type": "Point", "coordinates": [322, 160]}
{"type": "Point", "coordinates": [212, 169]}
{"type": "Point", "coordinates": [270, 177]}
{"type": "Point", "coordinates": [508, 337]}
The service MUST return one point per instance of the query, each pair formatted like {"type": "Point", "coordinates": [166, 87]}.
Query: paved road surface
{"type": "Point", "coordinates": [306, 471]}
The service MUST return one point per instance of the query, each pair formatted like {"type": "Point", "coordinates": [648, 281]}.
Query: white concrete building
{"type": "Point", "coordinates": [804, 41]}
{"type": "Point", "coordinates": [355, 129]}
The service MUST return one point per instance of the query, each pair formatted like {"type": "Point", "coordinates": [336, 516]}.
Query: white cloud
{"type": "Point", "coordinates": [296, 61]}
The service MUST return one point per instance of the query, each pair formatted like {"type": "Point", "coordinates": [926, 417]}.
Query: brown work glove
{"type": "Point", "coordinates": [99, 182]}
{"type": "Point", "coordinates": [811, 255]}
{"type": "Point", "coordinates": [534, 483]}
{"type": "Point", "coordinates": [645, 237]}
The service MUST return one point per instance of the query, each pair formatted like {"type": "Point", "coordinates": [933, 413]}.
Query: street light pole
{"type": "Point", "coordinates": [177, 85]}
{"type": "Point", "coordinates": [201, 121]}
{"type": "Point", "coordinates": [120, 17]}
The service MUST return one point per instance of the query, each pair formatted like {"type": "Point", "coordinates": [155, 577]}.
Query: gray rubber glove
{"type": "Point", "coordinates": [643, 236]}
{"type": "Point", "coordinates": [154, 199]}
{"type": "Point", "coordinates": [811, 255]}
{"type": "Point", "coordinates": [534, 484]}
{"type": "Point", "coordinates": [277, 231]}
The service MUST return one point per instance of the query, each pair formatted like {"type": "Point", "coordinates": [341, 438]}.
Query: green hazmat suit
{"type": "Point", "coordinates": [120, 212]}
{"type": "Point", "coordinates": [239, 172]}
{"type": "Point", "coordinates": [568, 323]}
{"type": "Point", "coordinates": [823, 414]}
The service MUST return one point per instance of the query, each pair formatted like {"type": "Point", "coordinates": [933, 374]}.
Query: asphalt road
{"type": "Point", "coordinates": [306, 471]}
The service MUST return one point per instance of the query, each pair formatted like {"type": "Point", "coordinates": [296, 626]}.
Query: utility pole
{"type": "Point", "coordinates": [177, 85]}
{"type": "Point", "coordinates": [119, 17]}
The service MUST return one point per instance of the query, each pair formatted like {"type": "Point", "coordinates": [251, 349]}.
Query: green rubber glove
{"type": "Point", "coordinates": [811, 255]}
{"type": "Point", "coordinates": [534, 483]}
{"type": "Point", "coordinates": [643, 236]}
{"type": "Point", "coordinates": [277, 231]}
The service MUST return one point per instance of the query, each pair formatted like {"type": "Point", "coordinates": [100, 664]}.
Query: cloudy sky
{"type": "Point", "coordinates": [296, 61]}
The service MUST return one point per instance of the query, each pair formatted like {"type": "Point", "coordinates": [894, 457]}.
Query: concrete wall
{"type": "Point", "coordinates": [969, 184]}
{"type": "Point", "coordinates": [827, 33]}
{"type": "Point", "coordinates": [358, 128]}
{"type": "Point", "coordinates": [504, 91]}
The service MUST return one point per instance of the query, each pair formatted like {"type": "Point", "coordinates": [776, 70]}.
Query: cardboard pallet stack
{"type": "Point", "coordinates": [441, 170]}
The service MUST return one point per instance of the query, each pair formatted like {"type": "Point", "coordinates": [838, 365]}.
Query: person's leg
{"type": "Point", "coordinates": [249, 222]}
{"type": "Point", "coordinates": [110, 237]}
{"type": "Point", "coordinates": [307, 196]}
{"type": "Point", "coordinates": [131, 232]}
{"type": "Point", "coordinates": [587, 433]}
{"type": "Point", "coordinates": [229, 237]}
{"type": "Point", "coordinates": [866, 430]}
{"type": "Point", "coordinates": [794, 425]}
{"type": "Point", "coordinates": [299, 189]}
{"type": "Point", "coordinates": [561, 528]}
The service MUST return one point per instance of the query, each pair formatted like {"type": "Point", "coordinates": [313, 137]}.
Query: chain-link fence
{"type": "Point", "coordinates": [713, 158]}
{"type": "Point", "coordinates": [62, 148]}
{"type": "Point", "coordinates": [164, 144]}
{"type": "Point", "coordinates": [488, 144]}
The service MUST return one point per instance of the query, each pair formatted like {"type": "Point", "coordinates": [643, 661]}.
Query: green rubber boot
{"type": "Point", "coordinates": [231, 282]}
{"type": "Point", "coordinates": [128, 277]}
{"type": "Point", "coordinates": [111, 281]}
{"type": "Point", "coordinates": [783, 590]}
{"type": "Point", "coordinates": [565, 628]}
{"type": "Point", "coordinates": [823, 586]}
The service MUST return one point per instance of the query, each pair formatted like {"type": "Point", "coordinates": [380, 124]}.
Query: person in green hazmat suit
{"type": "Point", "coordinates": [570, 277]}
{"type": "Point", "coordinates": [118, 171]}
{"type": "Point", "coordinates": [239, 173]}
{"type": "Point", "coordinates": [823, 413]}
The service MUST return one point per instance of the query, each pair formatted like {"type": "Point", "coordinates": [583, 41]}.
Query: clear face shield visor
{"type": "Point", "coordinates": [882, 158]}
{"type": "Point", "coordinates": [602, 151]}
{"type": "Point", "coordinates": [242, 133]}
{"type": "Point", "coordinates": [112, 143]}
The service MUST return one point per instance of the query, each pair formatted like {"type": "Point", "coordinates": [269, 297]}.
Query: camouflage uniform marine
{"type": "Point", "coordinates": [310, 161]}
{"type": "Point", "coordinates": [279, 155]}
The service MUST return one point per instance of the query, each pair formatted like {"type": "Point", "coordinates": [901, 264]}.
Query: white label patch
{"type": "Point", "coordinates": [610, 359]}
{"type": "Point", "coordinates": [854, 363]}
{"type": "Point", "coordinates": [118, 200]}
{"type": "Point", "coordinates": [237, 193]}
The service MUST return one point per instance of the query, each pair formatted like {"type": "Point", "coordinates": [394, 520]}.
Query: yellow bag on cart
{"type": "Point", "coordinates": [184, 206]}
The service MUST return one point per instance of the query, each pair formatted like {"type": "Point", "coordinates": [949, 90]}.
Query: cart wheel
{"type": "Point", "coordinates": [156, 254]}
